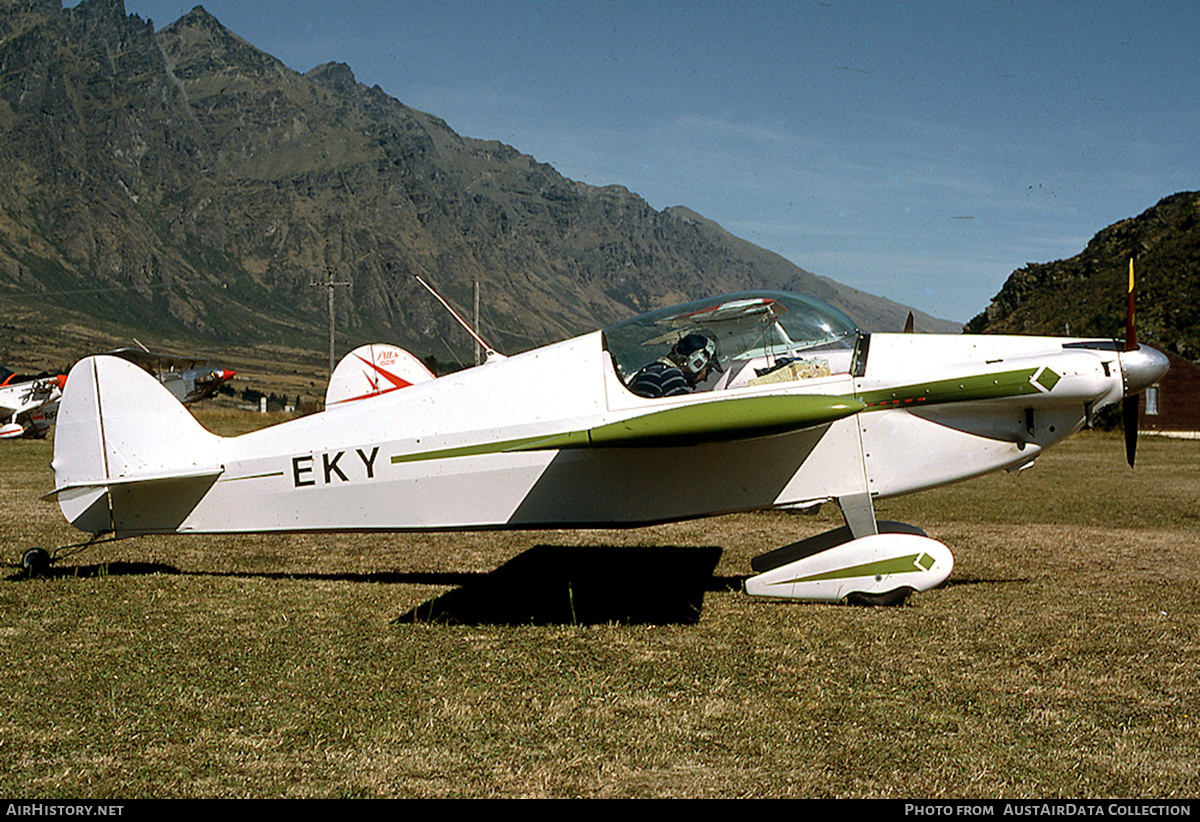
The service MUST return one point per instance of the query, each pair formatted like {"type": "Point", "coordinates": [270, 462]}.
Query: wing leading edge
{"type": "Point", "coordinates": [717, 421]}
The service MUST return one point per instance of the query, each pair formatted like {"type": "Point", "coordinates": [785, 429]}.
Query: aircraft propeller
{"type": "Point", "coordinates": [1141, 367]}
{"type": "Point", "coordinates": [1129, 406]}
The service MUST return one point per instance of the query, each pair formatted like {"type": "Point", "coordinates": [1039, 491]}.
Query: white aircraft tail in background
{"type": "Point", "coordinates": [372, 370]}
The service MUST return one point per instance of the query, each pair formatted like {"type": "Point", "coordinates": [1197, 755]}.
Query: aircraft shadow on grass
{"type": "Point", "coordinates": [545, 585]}
{"type": "Point", "coordinates": [103, 569]}
{"type": "Point", "coordinates": [582, 585]}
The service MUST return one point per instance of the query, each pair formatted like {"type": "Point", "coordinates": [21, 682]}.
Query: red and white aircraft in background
{"type": "Point", "coordinates": [28, 405]}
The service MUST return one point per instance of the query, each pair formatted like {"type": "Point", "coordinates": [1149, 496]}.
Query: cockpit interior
{"type": "Point", "coordinates": [760, 337]}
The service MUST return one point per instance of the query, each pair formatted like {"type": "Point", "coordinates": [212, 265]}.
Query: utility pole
{"type": "Point", "coordinates": [329, 285]}
{"type": "Point", "coordinates": [478, 351]}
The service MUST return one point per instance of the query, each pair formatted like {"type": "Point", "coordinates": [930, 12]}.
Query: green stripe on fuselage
{"type": "Point", "coordinates": [715, 421]}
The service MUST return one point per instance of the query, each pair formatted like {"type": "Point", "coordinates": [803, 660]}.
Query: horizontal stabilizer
{"type": "Point", "coordinates": [63, 490]}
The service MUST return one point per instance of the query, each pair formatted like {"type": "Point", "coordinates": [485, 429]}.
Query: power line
{"type": "Point", "coordinates": [98, 290]}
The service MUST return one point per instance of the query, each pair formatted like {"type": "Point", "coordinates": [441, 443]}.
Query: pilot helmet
{"type": "Point", "coordinates": [694, 352]}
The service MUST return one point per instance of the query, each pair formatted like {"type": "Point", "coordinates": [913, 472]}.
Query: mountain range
{"type": "Point", "coordinates": [185, 186]}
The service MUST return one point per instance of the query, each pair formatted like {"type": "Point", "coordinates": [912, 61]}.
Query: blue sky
{"type": "Point", "coordinates": [921, 151]}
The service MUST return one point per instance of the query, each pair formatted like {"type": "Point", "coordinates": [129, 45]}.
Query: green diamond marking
{"type": "Point", "coordinates": [925, 561]}
{"type": "Point", "coordinates": [1047, 379]}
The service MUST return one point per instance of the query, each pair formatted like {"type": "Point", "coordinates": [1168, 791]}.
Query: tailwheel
{"type": "Point", "coordinates": [35, 561]}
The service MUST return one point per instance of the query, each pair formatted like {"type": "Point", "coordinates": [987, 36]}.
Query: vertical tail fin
{"type": "Point", "coordinates": [118, 426]}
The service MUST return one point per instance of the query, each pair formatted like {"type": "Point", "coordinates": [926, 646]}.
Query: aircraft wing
{"type": "Point", "coordinates": [716, 421]}
{"type": "Point", "coordinates": [152, 360]}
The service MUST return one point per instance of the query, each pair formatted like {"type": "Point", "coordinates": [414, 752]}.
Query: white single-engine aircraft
{"type": "Point", "coordinates": [28, 405]}
{"type": "Point", "coordinates": [786, 405]}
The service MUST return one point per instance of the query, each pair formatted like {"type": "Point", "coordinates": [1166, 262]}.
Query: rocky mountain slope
{"type": "Point", "coordinates": [1085, 295]}
{"type": "Point", "coordinates": [183, 184]}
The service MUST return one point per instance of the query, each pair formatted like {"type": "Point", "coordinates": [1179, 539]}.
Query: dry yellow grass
{"type": "Point", "coordinates": [1060, 659]}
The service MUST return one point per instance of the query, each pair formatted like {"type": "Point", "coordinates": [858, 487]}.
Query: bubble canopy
{"type": "Point", "coordinates": [762, 331]}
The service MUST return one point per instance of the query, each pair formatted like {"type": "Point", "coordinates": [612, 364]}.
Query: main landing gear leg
{"type": "Point", "coordinates": [859, 513]}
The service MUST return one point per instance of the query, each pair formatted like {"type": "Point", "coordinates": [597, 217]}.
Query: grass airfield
{"type": "Point", "coordinates": [1059, 660]}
